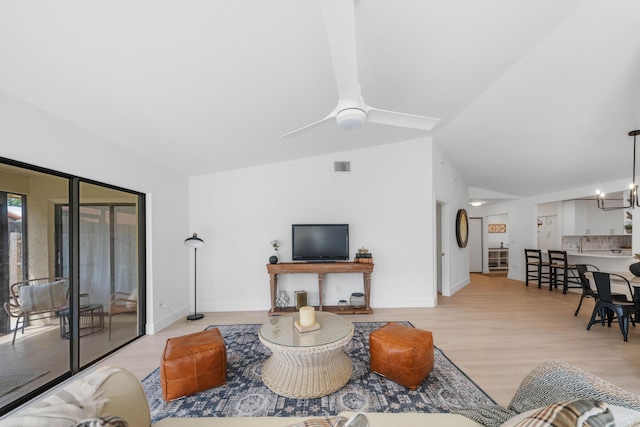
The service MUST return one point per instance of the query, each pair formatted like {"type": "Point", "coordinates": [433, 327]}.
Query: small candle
{"type": "Point", "coordinates": [307, 316]}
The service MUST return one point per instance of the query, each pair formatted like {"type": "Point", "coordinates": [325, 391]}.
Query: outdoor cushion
{"type": "Point", "coordinates": [42, 297]}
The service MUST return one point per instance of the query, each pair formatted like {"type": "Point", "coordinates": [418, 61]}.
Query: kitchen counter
{"type": "Point", "coordinates": [626, 253]}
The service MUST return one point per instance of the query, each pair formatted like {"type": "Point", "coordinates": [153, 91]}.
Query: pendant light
{"type": "Point", "coordinates": [633, 187]}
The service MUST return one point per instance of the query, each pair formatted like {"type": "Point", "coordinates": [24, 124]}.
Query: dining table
{"type": "Point", "coordinates": [620, 286]}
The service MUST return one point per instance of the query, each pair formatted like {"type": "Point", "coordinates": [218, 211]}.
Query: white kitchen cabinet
{"type": "Point", "coordinates": [583, 217]}
{"type": "Point", "coordinates": [573, 218]}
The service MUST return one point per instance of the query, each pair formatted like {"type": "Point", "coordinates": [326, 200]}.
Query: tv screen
{"type": "Point", "coordinates": [320, 242]}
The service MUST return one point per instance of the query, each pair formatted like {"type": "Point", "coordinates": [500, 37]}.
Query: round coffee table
{"type": "Point", "coordinates": [306, 364]}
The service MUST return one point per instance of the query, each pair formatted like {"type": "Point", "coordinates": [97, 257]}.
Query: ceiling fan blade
{"type": "Point", "coordinates": [392, 118]}
{"type": "Point", "coordinates": [340, 24]}
{"type": "Point", "coordinates": [304, 129]}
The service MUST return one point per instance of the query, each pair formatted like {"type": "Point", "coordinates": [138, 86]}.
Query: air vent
{"type": "Point", "coordinates": [342, 166]}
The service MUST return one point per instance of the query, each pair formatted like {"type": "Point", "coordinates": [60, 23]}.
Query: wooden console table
{"type": "Point", "coordinates": [321, 269]}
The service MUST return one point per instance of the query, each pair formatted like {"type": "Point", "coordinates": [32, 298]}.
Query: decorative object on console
{"type": "Point", "coordinates": [273, 259]}
{"type": "Point", "coordinates": [342, 304]}
{"type": "Point", "coordinates": [194, 242]}
{"type": "Point", "coordinates": [283, 300]}
{"type": "Point", "coordinates": [633, 200]}
{"type": "Point", "coordinates": [363, 256]}
{"type": "Point", "coordinates": [357, 300]}
{"type": "Point", "coordinates": [301, 299]}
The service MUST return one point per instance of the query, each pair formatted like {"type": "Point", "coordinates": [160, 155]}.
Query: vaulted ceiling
{"type": "Point", "coordinates": [534, 95]}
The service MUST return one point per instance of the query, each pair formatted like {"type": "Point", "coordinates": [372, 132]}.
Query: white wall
{"type": "Point", "coordinates": [386, 199]}
{"type": "Point", "coordinates": [33, 136]}
{"type": "Point", "coordinates": [449, 188]}
{"type": "Point", "coordinates": [497, 240]}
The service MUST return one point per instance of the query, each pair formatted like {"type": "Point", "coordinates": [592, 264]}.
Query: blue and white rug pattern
{"type": "Point", "coordinates": [244, 393]}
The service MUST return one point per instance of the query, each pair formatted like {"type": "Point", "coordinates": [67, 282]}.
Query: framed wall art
{"type": "Point", "coordinates": [497, 228]}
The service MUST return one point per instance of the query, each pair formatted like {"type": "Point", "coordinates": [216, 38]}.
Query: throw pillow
{"type": "Point", "coordinates": [78, 400]}
{"type": "Point", "coordinates": [103, 422]}
{"type": "Point", "coordinates": [358, 420]}
{"type": "Point", "coordinates": [321, 422]}
{"type": "Point", "coordinates": [42, 297]}
{"type": "Point", "coordinates": [573, 413]}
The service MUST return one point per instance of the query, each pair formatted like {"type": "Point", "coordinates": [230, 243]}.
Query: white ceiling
{"type": "Point", "coordinates": [535, 96]}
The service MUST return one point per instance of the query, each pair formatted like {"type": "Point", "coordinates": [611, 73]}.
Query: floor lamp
{"type": "Point", "coordinates": [194, 242]}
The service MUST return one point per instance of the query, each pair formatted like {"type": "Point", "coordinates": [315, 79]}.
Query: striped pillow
{"type": "Point", "coordinates": [47, 296]}
{"type": "Point", "coordinates": [321, 422]}
{"type": "Point", "coordinates": [573, 413]}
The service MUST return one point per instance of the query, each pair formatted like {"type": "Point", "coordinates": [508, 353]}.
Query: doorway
{"type": "Point", "coordinates": [441, 258]}
{"type": "Point", "coordinates": [475, 245]}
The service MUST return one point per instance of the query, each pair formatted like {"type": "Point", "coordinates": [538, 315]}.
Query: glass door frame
{"type": "Point", "coordinates": [74, 276]}
{"type": "Point", "coordinates": [5, 247]}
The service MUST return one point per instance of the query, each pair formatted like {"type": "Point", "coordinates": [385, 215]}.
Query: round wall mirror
{"type": "Point", "coordinates": [462, 228]}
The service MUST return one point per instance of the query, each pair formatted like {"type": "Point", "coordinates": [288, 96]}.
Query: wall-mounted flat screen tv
{"type": "Point", "coordinates": [320, 242]}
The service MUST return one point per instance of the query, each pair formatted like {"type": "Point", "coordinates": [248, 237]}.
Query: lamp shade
{"type": "Point", "coordinates": [194, 242]}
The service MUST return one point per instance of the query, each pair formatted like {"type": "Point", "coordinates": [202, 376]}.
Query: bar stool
{"type": "Point", "coordinates": [560, 270]}
{"type": "Point", "coordinates": [537, 269]}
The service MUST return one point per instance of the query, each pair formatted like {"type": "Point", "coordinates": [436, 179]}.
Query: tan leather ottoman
{"type": "Point", "coordinates": [401, 353]}
{"type": "Point", "coordinates": [193, 363]}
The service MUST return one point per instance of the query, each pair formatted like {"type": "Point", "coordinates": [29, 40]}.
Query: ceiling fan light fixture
{"type": "Point", "coordinates": [351, 118]}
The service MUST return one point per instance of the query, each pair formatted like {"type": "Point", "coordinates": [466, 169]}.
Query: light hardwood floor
{"type": "Point", "coordinates": [496, 330]}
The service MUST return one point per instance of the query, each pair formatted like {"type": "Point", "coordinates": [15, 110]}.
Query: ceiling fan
{"type": "Point", "coordinates": [352, 112]}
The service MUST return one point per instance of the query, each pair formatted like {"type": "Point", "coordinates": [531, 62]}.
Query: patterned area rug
{"type": "Point", "coordinates": [11, 379]}
{"type": "Point", "coordinates": [244, 393]}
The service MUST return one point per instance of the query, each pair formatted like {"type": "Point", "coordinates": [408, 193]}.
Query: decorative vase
{"type": "Point", "coordinates": [635, 269]}
{"type": "Point", "coordinates": [273, 259]}
{"type": "Point", "coordinates": [342, 304]}
{"type": "Point", "coordinates": [357, 300]}
{"type": "Point", "coordinates": [283, 300]}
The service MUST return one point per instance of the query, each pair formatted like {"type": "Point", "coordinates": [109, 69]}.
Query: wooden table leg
{"type": "Point", "coordinates": [273, 286]}
{"type": "Point", "coordinates": [367, 289]}
{"type": "Point", "coordinates": [320, 285]}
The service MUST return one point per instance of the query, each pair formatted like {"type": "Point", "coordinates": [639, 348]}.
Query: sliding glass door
{"type": "Point", "coordinates": [109, 267]}
{"type": "Point", "coordinates": [89, 236]}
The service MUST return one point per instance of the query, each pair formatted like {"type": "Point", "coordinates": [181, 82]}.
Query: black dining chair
{"type": "Point", "coordinates": [537, 269]}
{"type": "Point", "coordinates": [624, 310]}
{"type": "Point", "coordinates": [587, 290]}
{"type": "Point", "coordinates": [562, 272]}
